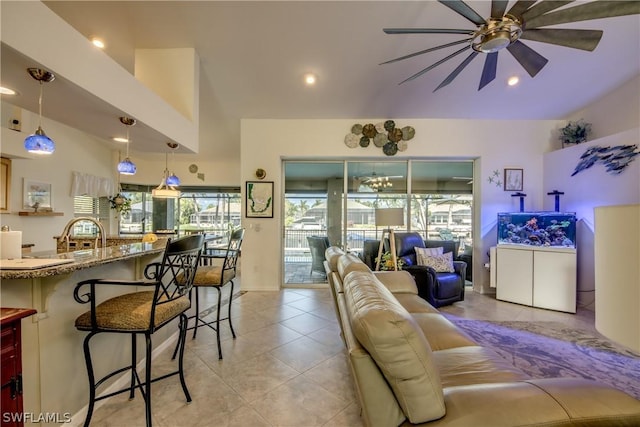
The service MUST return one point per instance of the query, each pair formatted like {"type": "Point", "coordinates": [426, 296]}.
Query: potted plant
{"type": "Point", "coordinates": [386, 262]}
{"type": "Point", "coordinates": [575, 132]}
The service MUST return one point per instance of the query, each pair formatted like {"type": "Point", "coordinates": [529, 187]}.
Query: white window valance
{"type": "Point", "coordinates": [84, 184]}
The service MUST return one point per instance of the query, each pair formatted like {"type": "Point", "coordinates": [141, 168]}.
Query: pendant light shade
{"type": "Point", "coordinates": [39, 142]}
{"type": "Point", "coordinates": [127, 167]}
{"type": "Point", "coordinates": [173, 180]}
{"type": "Point", "coordinates": [167, 188]}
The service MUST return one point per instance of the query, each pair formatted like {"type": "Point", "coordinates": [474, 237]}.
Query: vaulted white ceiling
{"type": "Point", "coordinates": [254, 55]}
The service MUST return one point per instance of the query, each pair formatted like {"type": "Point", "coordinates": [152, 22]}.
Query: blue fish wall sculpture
{"type": "Point", "coordinates": [614, 159]}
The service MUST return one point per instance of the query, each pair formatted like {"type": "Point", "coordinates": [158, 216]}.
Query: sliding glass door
{"type": "Point", "coordinates": [337, 201]}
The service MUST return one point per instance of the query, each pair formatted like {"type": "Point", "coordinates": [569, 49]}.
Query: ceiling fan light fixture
{"type": "Point", "coordinates": [513, 80]}
{"type": "Point", "coordinates": [497, 34]}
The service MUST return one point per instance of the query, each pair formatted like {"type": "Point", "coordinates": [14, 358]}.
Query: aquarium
{"type": "Point", "coordinates": [557, 229]}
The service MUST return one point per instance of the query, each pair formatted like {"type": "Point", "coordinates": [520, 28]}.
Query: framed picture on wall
{"type": "Point", "coordinates": [513, 179]}
{"type": "Point", "coordinates": [259, 199]}
{"type": "Point", "coordinates": [5, 188]}
{"type": "Point", "coordinates": [36, 195]}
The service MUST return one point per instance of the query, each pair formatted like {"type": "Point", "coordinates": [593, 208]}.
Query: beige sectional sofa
{"type": "Point", "coordinates": [412, 366]}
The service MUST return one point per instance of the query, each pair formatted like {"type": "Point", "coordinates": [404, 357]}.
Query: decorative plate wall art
{"type": "Point", "coordinates": [385, 135]}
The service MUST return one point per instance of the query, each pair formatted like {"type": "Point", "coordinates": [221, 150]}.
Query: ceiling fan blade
{"type": "Point", "coordinates": [498, 7]}
{"type": "Point", "coordinates": [489, 70]}
{"type": "Point", "coordinates": [463, 9]}
{"type": "Point", "coordinates": [432, 66]}
{"type": "Point", "coordinates": [520, 6]}
{"type": "Point", "coordinates": [427, 31]}
{"type": "Point", "coordinates": [530, 60]}
{"type": "Point", "coordinates": [585, 12]}
{"type": "Point", "coordinates": [543, 7]}
{"type": "Point", "coordinates": [431, 49]}
{"type": "Point", "coordinates": [577, 39]}
{"type": "Point", "coordinates": [457, 71]}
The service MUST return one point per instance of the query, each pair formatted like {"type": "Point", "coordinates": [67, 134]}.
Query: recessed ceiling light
{"type": "Point", "coordinates": [97, 42]}
{"type": "Point", "coordinates": [513, 80]}
{"type": "Point", "coordinates": [120, 139]}
{"type": "Point", "coordinates": [7, 91]}
{"type": "Point", "coordinates": [310, 79]}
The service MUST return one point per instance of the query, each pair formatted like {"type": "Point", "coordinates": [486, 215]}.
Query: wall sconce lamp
{"type": "Point", "coordinates": [39, 142]}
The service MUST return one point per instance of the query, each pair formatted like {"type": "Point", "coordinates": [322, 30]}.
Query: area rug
{"type": "Point", "coordinates": [551, 350]}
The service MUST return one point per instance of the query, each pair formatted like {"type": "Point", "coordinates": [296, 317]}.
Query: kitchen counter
{"type": "Point", "coordinates": [85, 258]}
{"type": "Point", "coordinates": [88, 242]}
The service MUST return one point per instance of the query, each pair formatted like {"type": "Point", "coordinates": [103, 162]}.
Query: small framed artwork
{"type": "Point", "coordinates": [5, 185]}
{"type": "Point", "coordinates": [259, 199]}
{"type": "Point", "coordinates": [513, 180]}
{"type": "Point", "coordinates": [36, 195]}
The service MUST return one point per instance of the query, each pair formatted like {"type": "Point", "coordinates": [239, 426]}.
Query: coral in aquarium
{"type": "Point", "coordinates": [537, 230]}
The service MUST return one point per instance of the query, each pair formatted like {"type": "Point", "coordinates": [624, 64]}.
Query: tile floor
{"type": "Point", "coordinates": [287, 366]}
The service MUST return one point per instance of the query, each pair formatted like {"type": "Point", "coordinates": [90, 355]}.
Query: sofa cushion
{"type": "Point", "coordinates": [398, 281]}
{"type": "Point", "coordinates": [414, 304]}
{"type": "Point", "coordinates": [396, 343]}
{"type": "Point", "coordinates": [474, 365]}
{"type": "Point", "coordinates": [331, 255]}
{"type": "Point", "coordinates": [440, 332]}
{"type": "Point", "coordinates": [440, 263]}
{"type": "Point", "coordinates": [350, 262]}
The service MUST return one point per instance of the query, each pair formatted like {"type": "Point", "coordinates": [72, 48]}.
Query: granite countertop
{"type": "Point", "coordinates": [85, 258]}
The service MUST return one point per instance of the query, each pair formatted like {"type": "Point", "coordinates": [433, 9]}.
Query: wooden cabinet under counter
{"type": "Point", "coordinates": [11, 343]}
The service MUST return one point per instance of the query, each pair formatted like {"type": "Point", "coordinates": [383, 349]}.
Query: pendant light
{"type": "Point", "coordinates": [39, 142]}
{"type": "Point", "coordinates": [166, 190]}
{"type": "Point", "coordinates": [127, 167]}
{"type": "Point", "coordinates": [173, 180]}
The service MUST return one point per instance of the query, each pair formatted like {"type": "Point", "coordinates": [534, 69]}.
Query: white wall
{"type": "Point", "coordinates": [616, 121]}
{"type": "Point", "coordinates": [496, 145]}
{"type": "Point", "coordinates": [587, 190]}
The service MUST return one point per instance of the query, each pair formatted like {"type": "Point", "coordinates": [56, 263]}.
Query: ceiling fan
{"type": "Point", "coordinates": [504, 30]}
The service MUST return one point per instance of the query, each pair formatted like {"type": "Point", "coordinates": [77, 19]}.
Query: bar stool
{"type": "Point", "coordinates": [144, 312]}
{"type": "Point", "coordinates": [217, 276]}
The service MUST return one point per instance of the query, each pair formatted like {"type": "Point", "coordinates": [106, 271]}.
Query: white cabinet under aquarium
{"type": "Point", "coordinates": [536, 260]}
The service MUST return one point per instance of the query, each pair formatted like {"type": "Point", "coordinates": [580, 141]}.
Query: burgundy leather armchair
{"type": "Point", "coordinates": [437, 288]}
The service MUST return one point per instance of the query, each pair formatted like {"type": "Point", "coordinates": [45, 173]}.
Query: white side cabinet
{"type": "Point", "coordinates": [543, 277]}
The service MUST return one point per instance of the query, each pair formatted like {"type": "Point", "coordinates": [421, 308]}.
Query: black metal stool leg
{"type": "Point", "coordinates": [218, 323]}
{"type": "Point", "coordinates": [197, 316]}
{"type": "Point", "coordinates": [229, 316]}
{"type": "Point", "coordinates": [133, 366]}
{"type": "Point", "coordinates": [183, 331]}
{"type": "Point", "coordinates": [92, 379]}
{"type": "Point", "coordinates": [147, 385]}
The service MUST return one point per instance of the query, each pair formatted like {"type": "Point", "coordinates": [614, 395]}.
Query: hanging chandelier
{"type": "Point", "coordinates": [39, 142]}
{"type": "Point", "coordinates": [167, 188]}
{"type": "Point", "coordinates": [126, 166]}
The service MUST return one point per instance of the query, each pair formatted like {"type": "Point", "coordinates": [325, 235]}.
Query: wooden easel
{"type": "Point", "coordinates": [392, 243]}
